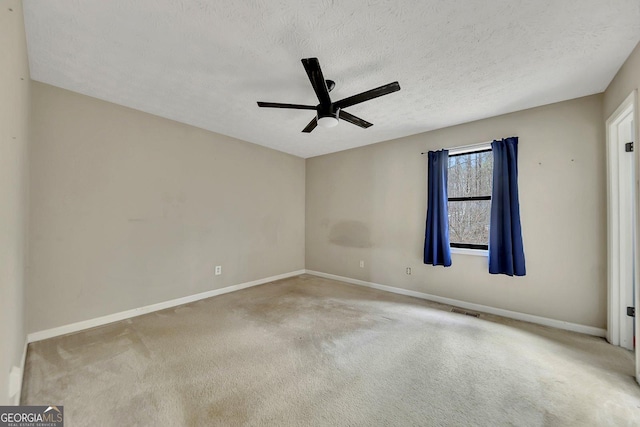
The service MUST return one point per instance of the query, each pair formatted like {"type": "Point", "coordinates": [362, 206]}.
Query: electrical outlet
{"type": "Point", "coordinates": [218, 270]}
{"type": "Point", "coordinates": [361, 264]}
{"type": "Point", "coordinates": [408, 270]}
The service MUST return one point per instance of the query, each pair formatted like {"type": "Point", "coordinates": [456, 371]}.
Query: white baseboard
{"type": "Point", "coordinates": [575, 327]}
{"type": "Point", "coordinates": [99, 321]}
{"type": "Point", "coordinates": [16, 376]}
{"type": "Point", "coordinates": [110, 318]}
{"type": "Point", "coordinates": [23, 361]}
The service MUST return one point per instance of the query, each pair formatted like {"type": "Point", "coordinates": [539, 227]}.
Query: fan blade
{"type": "Point", "coordinates": [279, 105]}
{"type": "Point", "coordinates": [312, 67]}
{"type": "Point", "coordinates": [354, 120]}
{"type": "Point", "coordinates": [311, 126]}
{"type": "Point", "coordinates": [365, 96]}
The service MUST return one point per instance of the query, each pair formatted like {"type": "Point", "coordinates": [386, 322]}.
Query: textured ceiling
{"type": "Point", "coordinates": [206, 63]}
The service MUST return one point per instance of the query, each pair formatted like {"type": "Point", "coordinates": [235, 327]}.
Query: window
{"type": "Point", "coordinates": [470, 175]}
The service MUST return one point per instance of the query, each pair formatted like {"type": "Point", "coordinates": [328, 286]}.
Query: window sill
{"type": "Point", "coordinates": [465, 251]}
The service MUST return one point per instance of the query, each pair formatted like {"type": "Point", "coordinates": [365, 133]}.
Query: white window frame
{"type": "Point", "coordinates": [467, 149]}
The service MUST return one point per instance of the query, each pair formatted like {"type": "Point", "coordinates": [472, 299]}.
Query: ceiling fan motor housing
{"type": "Point", "coordinates": [328, 117]}
{"type": "Point", "coordinates": [328, 111]}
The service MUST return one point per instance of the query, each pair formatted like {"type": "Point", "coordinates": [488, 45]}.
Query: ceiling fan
{"type": "Point", "coordinates": [327, 111]}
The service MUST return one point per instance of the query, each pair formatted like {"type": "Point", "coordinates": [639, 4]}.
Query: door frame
{"type": "Point", "coordinates": [614, 262]}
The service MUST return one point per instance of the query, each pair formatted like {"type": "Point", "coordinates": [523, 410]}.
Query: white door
{"type": "Point", "coordinates": [621, 224]}
{"type": "Point", "coordinates": [627, 228]}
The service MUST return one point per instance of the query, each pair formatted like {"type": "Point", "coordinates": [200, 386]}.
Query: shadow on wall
{"type": "Point", "coordinates": [350, 234]}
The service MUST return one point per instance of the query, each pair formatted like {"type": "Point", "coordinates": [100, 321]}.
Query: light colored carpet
{"type": "Point", "coordinates": [311, 351]}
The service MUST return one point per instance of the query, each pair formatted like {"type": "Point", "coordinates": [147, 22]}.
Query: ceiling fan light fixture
{"type": "Point", "coordinates": [328, 122]}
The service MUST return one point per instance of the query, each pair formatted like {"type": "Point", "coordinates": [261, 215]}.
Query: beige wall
{"type": "Point", "coordinates": [14, 135]}
{"type": "Point", "coordinates": [626, 80]}
{"type": "Point", "coordinates": [129, 209]}
{"type": "Point", "coordinates": [369, 204]}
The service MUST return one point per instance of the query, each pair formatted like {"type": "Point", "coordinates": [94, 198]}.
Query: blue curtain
{"type": "Point", "coordinates": [506, 252]}
{"type": "Point", "coordinates": [436, 240]}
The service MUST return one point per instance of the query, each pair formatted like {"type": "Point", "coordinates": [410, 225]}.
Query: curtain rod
{"type": "Point", "coordinates": [468, 147]}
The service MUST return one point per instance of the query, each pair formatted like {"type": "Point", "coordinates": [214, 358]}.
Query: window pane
{"type": "Point", "coordinates": [470, 174]}
{"type": "Point", "coordinates": [469, 221]}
